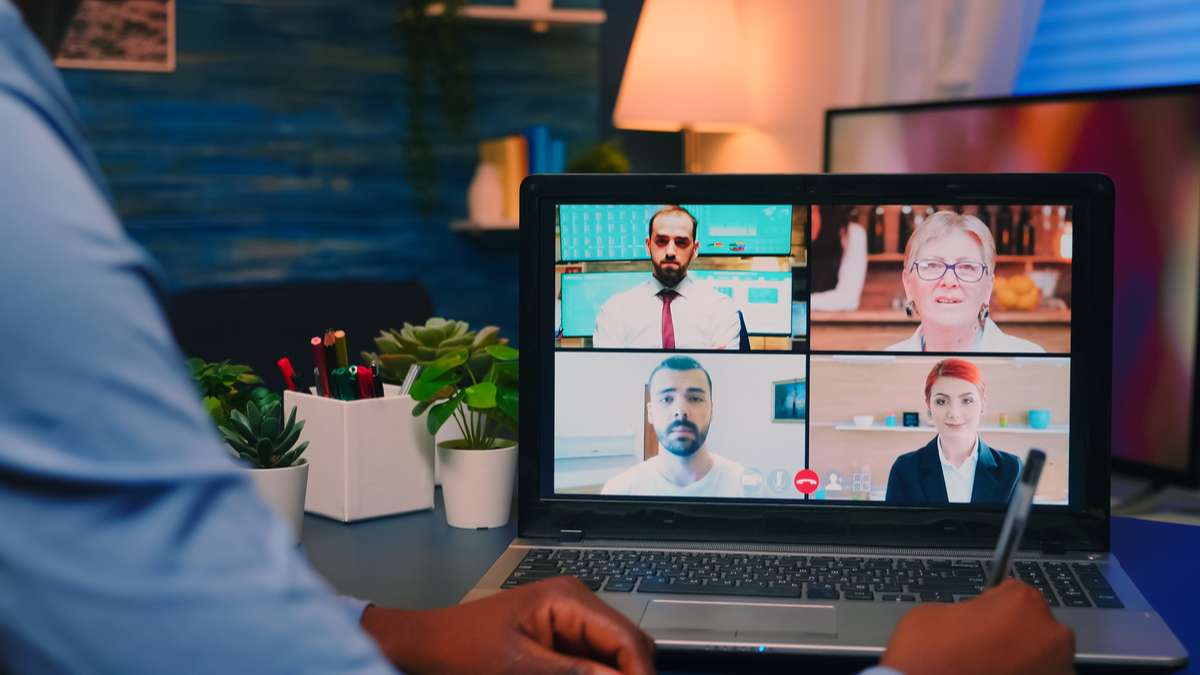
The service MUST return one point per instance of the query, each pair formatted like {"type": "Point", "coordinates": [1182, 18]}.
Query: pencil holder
{"type": "Point", "coordinates": [368, 458]}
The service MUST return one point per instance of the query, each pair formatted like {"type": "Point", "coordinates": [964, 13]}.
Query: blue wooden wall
{"type": "Point", "coordinates": [274, 151]}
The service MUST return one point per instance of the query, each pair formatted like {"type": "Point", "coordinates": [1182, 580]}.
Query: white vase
{"type": "Point", "coordinates": [477, 485]}
{"type": "Point", "coordinates": [283, 489]}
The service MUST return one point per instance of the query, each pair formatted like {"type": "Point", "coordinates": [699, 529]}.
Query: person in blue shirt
{"type": "Point", "coordinates": [132, 544]}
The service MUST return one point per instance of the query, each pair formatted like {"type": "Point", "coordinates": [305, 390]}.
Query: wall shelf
{"type": "Point", "coordinates": [540, 18]}
{"type": "Point", "coordinates": [463, 225]}
{"type": "Point", "coordinates": [1011, 429]}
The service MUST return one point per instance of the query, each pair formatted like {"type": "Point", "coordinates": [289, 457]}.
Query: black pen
{"type": "Point", "coordinates": [378, 381]}
{"type": "Point", "coordinates": [1016, 517]}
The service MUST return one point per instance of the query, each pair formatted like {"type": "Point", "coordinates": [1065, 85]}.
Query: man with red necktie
{"type": "Point", "coordinates": [670, 310]}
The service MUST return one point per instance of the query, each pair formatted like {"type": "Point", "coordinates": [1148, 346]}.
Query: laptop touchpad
{"type": "Point", "coordinates": [757, 620]}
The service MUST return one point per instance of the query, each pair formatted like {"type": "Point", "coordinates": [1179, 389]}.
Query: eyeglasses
{"type": "Point", "coordinates": [967, 271]}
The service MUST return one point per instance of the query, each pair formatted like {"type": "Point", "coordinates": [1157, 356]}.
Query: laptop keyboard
{"type": "Point", "coordinates": [806, 577]}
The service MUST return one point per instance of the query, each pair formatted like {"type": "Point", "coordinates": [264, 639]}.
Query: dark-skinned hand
{"type": "Point", "coordinates": [1008, 629]}
{"type": "Point", "coordinates": [551, 627]}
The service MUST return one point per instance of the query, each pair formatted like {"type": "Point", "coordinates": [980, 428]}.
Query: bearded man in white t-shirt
{"type": "Point", "coordinates": [680, 409]}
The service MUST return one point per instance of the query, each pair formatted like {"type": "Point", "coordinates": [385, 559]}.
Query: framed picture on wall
{"type": "Point", "coordinates": [791, 400]}
{"type": "Point", "coordinates": [134, 35]}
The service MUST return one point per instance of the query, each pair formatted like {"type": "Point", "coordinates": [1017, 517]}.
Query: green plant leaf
{"type": "Point", "coordinates": [421, 407]}
{"type": "Point", "coordinates": [290, 437]}
{"type": "Point", "coordinates": [459, 341]}
{"type": "Point", "coordinates": [270, 423]}
{"type": "Point", "coordinates": [388, 344]}
{"type": "Point", "coordinates": [264, 397]}
{"type": "Point", "coordinates": [289, 458]}
{"type": "Point", "coordinates": [254, 416]}
{"type": "Point", "coordinates": [503, 352]}
{"type": "Point", "coordinates": [443, 365]}
{"type": "Point", "coordinates": [441, 412]}
{"type": "Point", "coordinates": [428, 336]}
{"type": "Point", "coordinates": [488, 335]}
{"type": "Point", "coordinates": [425, 389]}
{"type": "Point", "coordinates": [240, 424]}
{"type": "Point", "coordinates": [481, 396]}
{"type": "Point", "coordinates": [508, 401]}
{"type": "Point", "coordinates": [412, 344]}
{"type": "Point", "coordinates": [213, 405]}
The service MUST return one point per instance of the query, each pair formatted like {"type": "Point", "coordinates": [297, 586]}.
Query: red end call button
{"type": "Point", "coordinates": [807, 481]}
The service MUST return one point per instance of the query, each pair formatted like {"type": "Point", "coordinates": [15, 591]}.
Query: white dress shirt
{"type": "Point", "coordinates": [702, 317]}
{"type": "Point", "coordinates": [724, 479]}
{"type": "Point", "coordinates": [960, 481]}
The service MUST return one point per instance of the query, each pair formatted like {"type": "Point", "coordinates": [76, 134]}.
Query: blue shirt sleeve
{"type": "Point", "coordinates": [131, 542]}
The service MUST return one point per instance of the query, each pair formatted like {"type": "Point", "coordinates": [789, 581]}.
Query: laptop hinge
{"type": "Point", "coordinates": [567, 536]}
{"type": "Point", "coordinates": [1053, 548]}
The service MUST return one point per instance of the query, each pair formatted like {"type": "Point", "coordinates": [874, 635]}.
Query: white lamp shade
{"type": "Point", "coordinates": [685, 69]}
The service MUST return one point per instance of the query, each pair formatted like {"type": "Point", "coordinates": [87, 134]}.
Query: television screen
{"type": "Point", "coordinates": [1148, 142]}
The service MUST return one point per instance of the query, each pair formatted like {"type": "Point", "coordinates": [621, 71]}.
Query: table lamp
{"type": "Point", "coordinates": [685, 73]}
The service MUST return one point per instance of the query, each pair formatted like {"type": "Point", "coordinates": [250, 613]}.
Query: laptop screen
{"type": "Point", "coordinates": [906, 354]}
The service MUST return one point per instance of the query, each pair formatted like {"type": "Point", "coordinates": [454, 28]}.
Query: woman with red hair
{"type": "Point", "coordinates": [956, 466]}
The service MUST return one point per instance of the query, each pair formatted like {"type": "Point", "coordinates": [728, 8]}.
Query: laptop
{"type": "Point", "coordinates": [800, 493]}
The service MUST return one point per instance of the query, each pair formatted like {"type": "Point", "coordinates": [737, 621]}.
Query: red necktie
{"type": "Point", "coordinates": [668, 325]}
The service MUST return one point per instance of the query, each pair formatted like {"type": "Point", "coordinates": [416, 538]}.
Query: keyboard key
{"type": "Point", "coordinates": [1108, 601]}
{"type": "Point", "coordinates": [822, 592]}
{"type": "Point", "coordinates": [620, 585]}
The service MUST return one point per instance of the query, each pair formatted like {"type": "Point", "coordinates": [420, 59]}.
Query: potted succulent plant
{"type": "Point", "coordinates": [421, 345]}
{"type": "Point", "coordinates": [479, 469]}
{"type": "Point", "coordinates": [226, 386]}
{"type": "Point", "coordinates": [261, 438]}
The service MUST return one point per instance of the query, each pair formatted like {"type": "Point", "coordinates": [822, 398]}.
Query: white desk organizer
{"type": "Point", "coordinates": [368, 458]}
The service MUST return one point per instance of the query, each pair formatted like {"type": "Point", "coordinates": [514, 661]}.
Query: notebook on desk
{"type": "Point", "coordinates": [801, 496]}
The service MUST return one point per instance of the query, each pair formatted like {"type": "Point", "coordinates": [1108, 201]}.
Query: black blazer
{"type": "Point", "coordinates": [916, 477]}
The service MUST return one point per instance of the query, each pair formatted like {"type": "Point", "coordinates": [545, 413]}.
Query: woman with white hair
{"type": "Point", "coordinates": [949, 268]}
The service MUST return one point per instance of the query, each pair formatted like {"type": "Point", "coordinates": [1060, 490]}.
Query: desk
{"type": "Point", "coordinates": [416, 561]}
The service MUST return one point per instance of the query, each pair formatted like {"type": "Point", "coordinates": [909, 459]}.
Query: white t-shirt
{"type": "Point", "coordinates": [724, 479]}
{"type": "Point", "coordinates": [702, 318]}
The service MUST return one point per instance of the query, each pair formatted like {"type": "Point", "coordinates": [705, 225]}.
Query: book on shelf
{"type": "Point", "coordinates": [533, 150]}
{"type": "Point", "coordinates": [510, 157]}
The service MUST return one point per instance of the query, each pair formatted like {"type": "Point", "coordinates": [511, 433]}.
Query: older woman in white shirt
{"type": "Point", "coordinates": [949, 269]}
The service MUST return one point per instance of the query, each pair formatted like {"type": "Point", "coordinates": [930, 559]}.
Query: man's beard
{"type": "Point", "coordinates": [680, 447]}
{"type": "Point", "coordinates": [670, 276]}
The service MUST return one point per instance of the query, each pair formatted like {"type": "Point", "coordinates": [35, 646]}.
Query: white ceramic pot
{"type": "Point", "coordinates": [284, 489]}
{"type": "Point", "coordinates": [448, 432]}
{"type": "Point", "coordinates": [477, 485]}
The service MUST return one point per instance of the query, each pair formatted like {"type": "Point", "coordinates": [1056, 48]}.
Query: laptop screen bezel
{"type": "Point", "coordinates": [1082, 526]}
